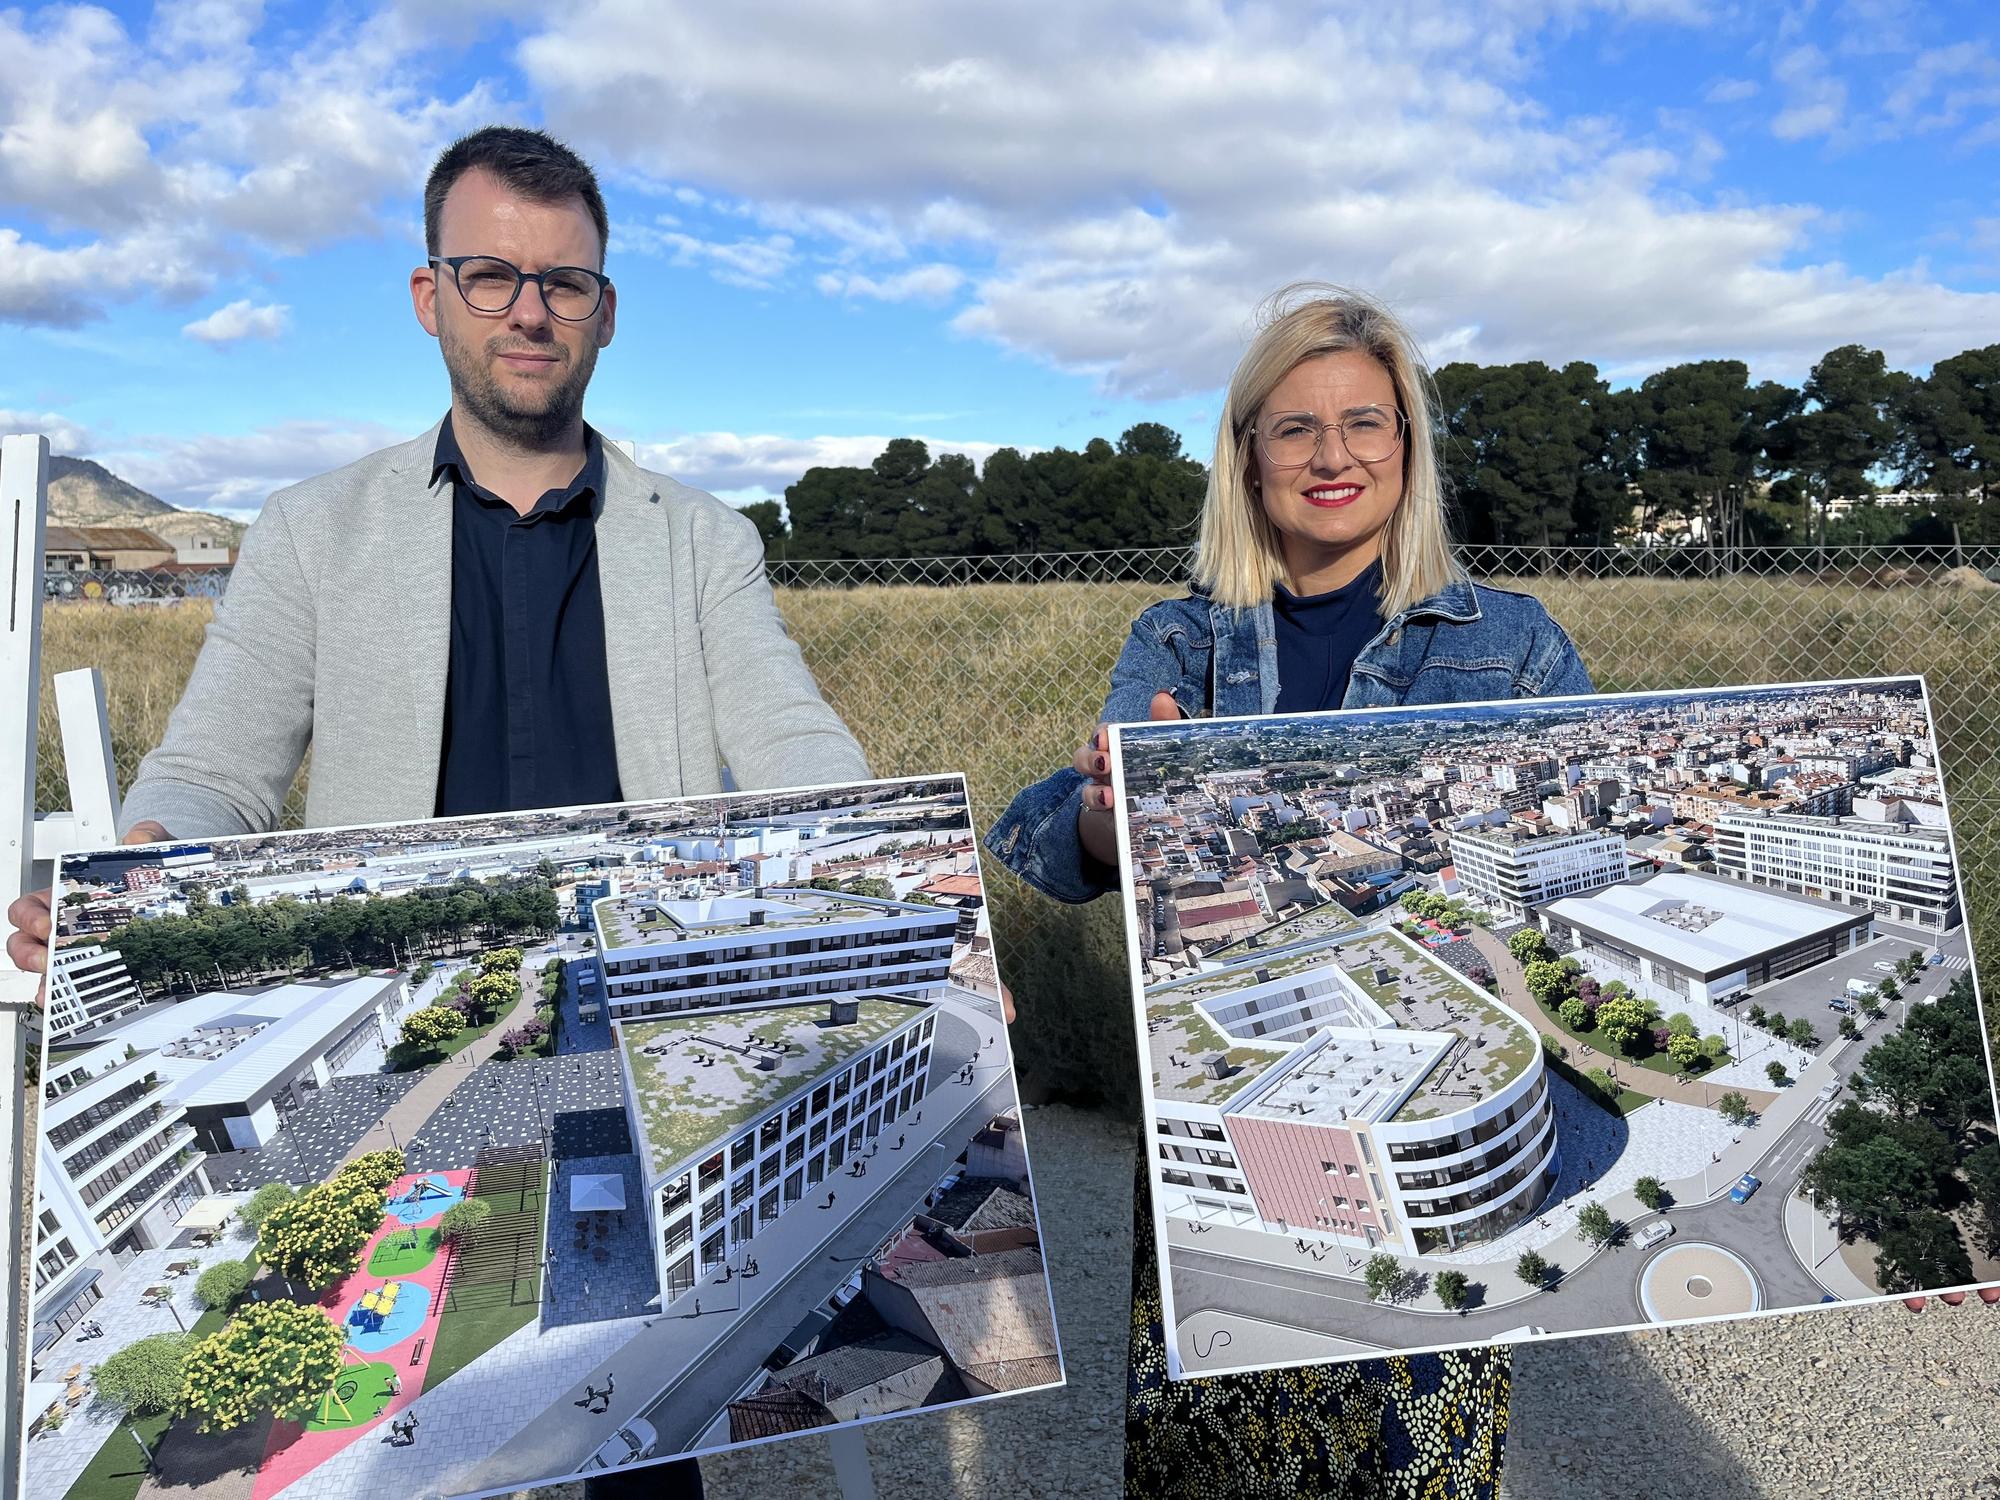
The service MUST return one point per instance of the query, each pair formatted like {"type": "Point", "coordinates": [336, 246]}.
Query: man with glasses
{"type": "Point", "coordinates": [506, 613]}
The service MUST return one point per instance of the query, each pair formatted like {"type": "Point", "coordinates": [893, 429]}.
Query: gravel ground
{"type": "Point", "coordinates": [1850, 1402]}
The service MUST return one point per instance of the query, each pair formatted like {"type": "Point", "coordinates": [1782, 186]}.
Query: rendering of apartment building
{"type": "Point", "coordinates": [88, 986]}
{"type": "Point", "coordinates": [1512, 869]}
{"type": "Point", "coordinates": [118, 1164]}
{"type": "Point", "coordinates": [1352, 1090]}
{"type": "Point", "coordinates": [1899, 871]}
{"type": "Point", "coordinates": [660, 956]}
{"type": "Point", "coordinates": [740, 1115]}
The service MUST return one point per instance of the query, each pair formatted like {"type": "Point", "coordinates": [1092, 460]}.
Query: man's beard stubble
{"type": "Point", "coordinates": [479, 394]}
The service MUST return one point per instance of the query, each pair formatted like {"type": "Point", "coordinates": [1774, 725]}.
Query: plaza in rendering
{"type": "Point", "coordinates": [590, 1100]}
{"type": "Point", "coordinates": [1441, 1012]}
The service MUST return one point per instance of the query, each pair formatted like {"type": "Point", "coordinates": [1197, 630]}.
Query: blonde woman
{"type": "Point", "coordinates": [1324, 577]}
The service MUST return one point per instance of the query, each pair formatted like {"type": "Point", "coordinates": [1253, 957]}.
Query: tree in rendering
{"type": "Point", "coordinates": [1532, 1269]}
{"type": "Point", "coordinates": [430, 1028]}
{"type": "Point", "coordinates": [222, 1283]}
{"type": "Point", "coordinates": [144, 1378]}
{"type": "Point", "coordinates": [1680, 1024]}
{"type": "Point", "coordinates": [271, 1195]}
{"type": "Point", "coordinates": [1595, 1225]}
{"type": "Point", "coordinates": [1451, 1288]}
{"type": "Point", "coordinates": [461, 1219]}
{"type": "Point", "coordinates": [317, 1238]}
{"type": "Point", "coordinates": [1575, 1014]}
{"type": "Point", "coordinates": [1381, 1275]}
{"type": "Point", "coordinates": [1528, 945]}
{"type": "Point", "coordinates": [492, 993]}
{"type": "Point", "coordinates": [1848, 1029]}
{"type": "Point", "coordinates": [1714, 1048]}
{"type": "Point", "coordinates": [376, 1168]}
{"type": "Point", "coordinates": [1621, 1021]}
{"type": "Point", "coordinates": [1775, 1071]}
{"type": "Point", "coordinates": [1685, 1049]}
{"type": "Point", "coordinates": [1802, 1035]}
{"type": "Point", "coordinates": [1649, 1192]}
{"type": "Point", "coordinates": [1871, 1006]}
{"type": "Point", "coordinates": [276, 1357]}
{"type": "Point", "coordinates": [1921, 1252]}
{"type": "Point", "coordinates": [500, 961]}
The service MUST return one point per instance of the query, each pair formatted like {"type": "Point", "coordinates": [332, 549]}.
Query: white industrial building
{"type": "Point", "coordinates": [1681, 938]}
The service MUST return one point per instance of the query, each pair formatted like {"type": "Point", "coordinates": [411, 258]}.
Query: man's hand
{"type": "Point", "coordinates": [1095, 825]}
{"type": "Point", "coordinates": [1006, 1004]}
{"type": "Point", "coordinates": [28, 943]}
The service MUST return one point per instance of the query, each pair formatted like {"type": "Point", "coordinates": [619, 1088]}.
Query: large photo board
{"type": "Point", "coordinates": [1480, 1023]}
{"type": "Point", "coordinates": [462, 1156]}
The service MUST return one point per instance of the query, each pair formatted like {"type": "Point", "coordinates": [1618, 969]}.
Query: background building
{"type": "Point", "coordinates": [661, 955]}
{"type": "Point", "coordinates": [1903, 873]}
{"type": "Point", "coordinates": [1512, 869]}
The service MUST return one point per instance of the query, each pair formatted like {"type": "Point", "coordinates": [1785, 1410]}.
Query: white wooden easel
{"type": "Point", "coordinates": [31, 846]}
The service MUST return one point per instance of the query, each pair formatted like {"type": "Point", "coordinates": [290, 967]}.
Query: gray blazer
{"type": "Point", "coordinates": [336, 633]}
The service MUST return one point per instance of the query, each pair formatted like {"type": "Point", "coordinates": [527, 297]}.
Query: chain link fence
{"type": "Point", "coordinates": [997, 665]}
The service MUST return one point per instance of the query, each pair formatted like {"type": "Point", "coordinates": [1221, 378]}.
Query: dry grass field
{"type": "Point", "coordinates": [1001, 681]}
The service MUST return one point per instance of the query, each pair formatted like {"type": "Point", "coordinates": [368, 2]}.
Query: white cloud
{"type": "Point", "coordinates": [928, 283]}
{"type": "Point", "coordinates": [753, 263]}
{"type": "Point", "coordinates": [747, 466]}
{"type": "Point", "coordinates": [65, 436]}
{"type": "Point", "coordinates": [242, 319]}
{"type": "Point", "coordinates": [1128, 232]}
{"type": "Point", "coordinates": [1730, 90]}
{"type": "Point", "coordinates": [154, 164]}
{"type": "Point", "coordinates": [235, 472]}
{"type": "Point", "coordinates": [1815, 100]}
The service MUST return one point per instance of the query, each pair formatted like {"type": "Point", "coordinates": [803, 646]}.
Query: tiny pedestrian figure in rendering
{"type": "Point", "coordinates": [900, 1138]}
{"type": "Point", "coordinates": [829, 1201]}
{"type": "Point", "coordinates": [395, 1387]}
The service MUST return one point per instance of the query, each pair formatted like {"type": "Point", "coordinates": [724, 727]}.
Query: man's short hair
{"type": "Point", "coordinates": [536, 165]}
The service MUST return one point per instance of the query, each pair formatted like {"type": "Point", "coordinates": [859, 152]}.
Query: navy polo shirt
{"type": "Point", "coordinates": [1319, 638]}
{"type": "Point", "coordinates": [527, 703]}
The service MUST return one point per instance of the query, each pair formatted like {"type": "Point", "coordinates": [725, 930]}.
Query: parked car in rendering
{"type": "Point", "coordinates": [1937, 960]}
{"type": "Point", "coordinates": [1839, 1003]}
{"type": "Point", "coordinates": [1746, 1188]}
{"type": "Point", "coordinates": [1829, 1089]}
{"type": "Point", "coordinates": [638, 1439]}
{"type": "Point", "coordinates": [1652, 1234]}
{"type": "Point", "coordinates": [1884, 966]}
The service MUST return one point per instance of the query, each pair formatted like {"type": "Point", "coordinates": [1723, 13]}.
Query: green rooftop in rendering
{"type": "Point", "coordinates": [1416, 991]}
{"type": "Point", "coordinates": [646, 917]}
{"type": "Point", "coordinates": [696, 1077]}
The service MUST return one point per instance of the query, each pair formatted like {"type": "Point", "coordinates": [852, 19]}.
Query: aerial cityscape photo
{"type": "Point", "coordinates": [459, 1156]}
{"type": "Point", "coordinates": [1548, 1017]}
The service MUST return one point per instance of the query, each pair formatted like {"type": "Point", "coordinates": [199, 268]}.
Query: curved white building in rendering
{"type": "Point", "coordinates": [1353, 1090]}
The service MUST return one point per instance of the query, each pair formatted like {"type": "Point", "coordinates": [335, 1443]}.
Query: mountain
{"type": "Point", "coordinates": [85, 493]}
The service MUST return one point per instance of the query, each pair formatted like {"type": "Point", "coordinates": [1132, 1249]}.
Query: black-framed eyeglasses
{"type": "Point", "coordinates": [489, 285]}
{"type": "Point", "coordinates": [1291, 439]}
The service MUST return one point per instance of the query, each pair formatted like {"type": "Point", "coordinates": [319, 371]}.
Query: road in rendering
{"type": "Point", "coordinates": [1602, 1293]}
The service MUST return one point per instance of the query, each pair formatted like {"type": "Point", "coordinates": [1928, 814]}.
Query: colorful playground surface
{"type": "Point", "coordinates": [388, 1309]}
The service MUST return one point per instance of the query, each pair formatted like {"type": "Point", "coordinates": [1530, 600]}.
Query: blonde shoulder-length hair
{"type": "Point", "coordinates": [1238, 558]}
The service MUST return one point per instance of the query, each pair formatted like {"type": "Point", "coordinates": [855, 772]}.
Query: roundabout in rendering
{"type": "Point", "coordinates": [1697, 1281]}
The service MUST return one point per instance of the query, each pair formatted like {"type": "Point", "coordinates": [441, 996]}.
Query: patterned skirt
{"type": "Point", "coordinates": [1410, 1427]}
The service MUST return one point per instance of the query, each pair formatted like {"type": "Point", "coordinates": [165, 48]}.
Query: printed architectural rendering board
{"type": "Point", "coordinates": [1477, 1023]}
{"type": "Point", "coordinates": [603, 1136]}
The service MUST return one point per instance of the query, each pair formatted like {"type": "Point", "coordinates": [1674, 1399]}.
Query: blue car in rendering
{"type": "Point", "coordinates": [1745, 1186]}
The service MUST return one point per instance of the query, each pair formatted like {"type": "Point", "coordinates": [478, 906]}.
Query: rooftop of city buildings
{"type": "Point", "coordinates": [1515, 832]}
{"type": "Point", "coordinates": [645, 917]}
{"type": "Point", "coordinates": [1411, 1015]}
{"type": "Point", "coordinates": [697, 1077]}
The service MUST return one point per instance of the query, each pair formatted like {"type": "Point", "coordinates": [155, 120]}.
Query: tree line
{"type": "Point", "coordinates": [289, 933]}
{"type": "Point", "coordinates": [1535, 456]}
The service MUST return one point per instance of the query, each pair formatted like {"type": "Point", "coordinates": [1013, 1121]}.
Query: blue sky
{"type": "Point", "coordinates": [1023, 225]}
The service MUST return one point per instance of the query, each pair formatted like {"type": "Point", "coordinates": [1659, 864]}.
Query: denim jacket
{"type": "Point", "coordinates": [1466, 643]}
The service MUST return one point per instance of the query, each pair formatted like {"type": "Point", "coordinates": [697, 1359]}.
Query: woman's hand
{"type": "Point", "coordinates": [1987, 1294]}
{"type": "Point", "coordinates": [1095, 824]}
